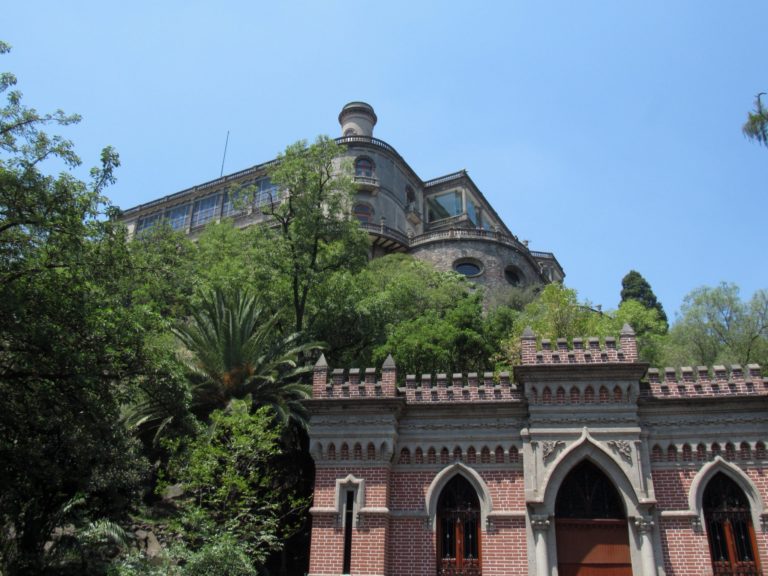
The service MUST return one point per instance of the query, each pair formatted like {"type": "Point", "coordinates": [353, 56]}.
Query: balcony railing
{"type": "Point", "coordinates": [386, 231]}
{"type": "Point", "coordinates": [366, 140]}
{"type": "Point", "coordinates": [446, 178]}
{"type": "Point", "coordinates": [467, 234]}
{"type": "Point", "coordinates": [366, 182]}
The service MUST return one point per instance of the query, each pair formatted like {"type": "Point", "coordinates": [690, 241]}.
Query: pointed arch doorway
{"type": "Point", "coordinates": [458, 529]}
{"type": "Point", "coordinates": [591, 525]}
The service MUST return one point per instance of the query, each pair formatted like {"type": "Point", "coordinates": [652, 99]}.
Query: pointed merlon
{"type": "Point", "coordinates": [528, 333]}
{"type": "Point", "coordinates": [321, 362]}
{"type": "Point", "coordinates": [389, 363]}
{"type": "Point", "coordinates": [627, 330]}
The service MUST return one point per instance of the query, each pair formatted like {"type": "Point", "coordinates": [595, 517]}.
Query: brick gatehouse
{"type": "Point", "coordinates": [586, 463]}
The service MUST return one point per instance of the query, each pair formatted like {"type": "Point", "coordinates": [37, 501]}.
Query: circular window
{"type": "Point", "coordinates": [513, 276]}
{"type": "Point", "coordinates": [468, 267]}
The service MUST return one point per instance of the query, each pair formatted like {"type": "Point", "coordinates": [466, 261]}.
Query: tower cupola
{"type": "Point", "coordinates": [357, 119]}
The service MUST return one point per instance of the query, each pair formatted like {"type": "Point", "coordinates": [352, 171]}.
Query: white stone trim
{"type": "Point", "coordinates": [443, 477]}
{"type": "Point", "coordinates": [586, 448]}
{"type": "Point", "coordinates": [707, 472]}
{"type": "Point", "coordinates": [349, 483]}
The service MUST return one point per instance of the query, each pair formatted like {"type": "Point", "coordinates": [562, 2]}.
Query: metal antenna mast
{"type": "Point", "coordinates": [226, 142]}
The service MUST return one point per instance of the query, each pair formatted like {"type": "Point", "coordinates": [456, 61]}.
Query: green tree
{"type": "Point", "coordinates": [165, 278]}
{"type": "Point", "coordinates": [232, 483]}
{"type": "Point", "coordinates": [226, 258]}
{"type": "Point", "coordinates": [451, 341]}
{"type": "Point", "coordinates": [717, 326]}
{"type": "Point", "coordinates": [314, 234]}
{"type": "Point", "coordinates": [372, 302]}
{"type": "Point", "coordinates": [558, 313]}
{"type": "Point", "coordinates": [67, 341]}
{"type": "Point", "coordinates": [650, 329]}
{"type": "Point", "coordinates": [756, 126]}
{"type": "Point", "coordinates": [230, 351]}
{"type": "Point", "coordinates": [635, 287]}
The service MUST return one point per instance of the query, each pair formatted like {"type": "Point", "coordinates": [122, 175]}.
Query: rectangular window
{"type": "Point", "coordinates": [204, 210]}
{"type": "Point", "coordinates": [349, 515]}
{"type": "Point", "coordinates": [178, 217]}
{"type": "Point", "coordinates": [235, 199]}
{"type": "Point", "coordinates": [231, 205]}
{"type": "Point", "coordinates": [472, 211]}
{"type": "Point", "coordinates": [148, 222]}
{"type": "Point", "coordinates": [266, 193]}
{"type": "Point", "coordinates": [444, 205]}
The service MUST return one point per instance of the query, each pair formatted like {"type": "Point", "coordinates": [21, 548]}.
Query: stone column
{"type": "Point", "coordinates": [644, 527]}
{"type": "Point", "coordinates": [540, 524]}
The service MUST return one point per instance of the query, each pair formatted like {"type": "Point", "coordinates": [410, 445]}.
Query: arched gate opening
{"type": "Point", "coordinates": [591, 525]}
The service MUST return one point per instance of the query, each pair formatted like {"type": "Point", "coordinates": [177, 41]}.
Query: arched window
{"type": "Point", "coordinates": [729, 528]}
{"type": "Point", "coordinates": [458, 529]}
{"type": "Point", "coordinates": [364, 213]}
{"type": "Point", "coordinates": [587, 493]}
{"type": "Point", "coordinates": [364, 167]}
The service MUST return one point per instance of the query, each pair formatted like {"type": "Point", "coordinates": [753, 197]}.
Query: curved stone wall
{"type": "Point", "coordinates": [495, 258]}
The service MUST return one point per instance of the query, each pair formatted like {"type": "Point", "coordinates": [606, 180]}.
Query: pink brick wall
{"type": "Point", "coordinates": [504, 549]}
{"type": "Point", "coordinates": [686, 552]}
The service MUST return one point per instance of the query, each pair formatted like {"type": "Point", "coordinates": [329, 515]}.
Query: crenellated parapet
{"type": "Point", "coordinates": [580, 351]}
{"type": "Point", "coordinates": [356, 383]}
{"type": "Point", "coordinates": [703, 382]}
{"type": "Point", "coordinates": [460, 387]}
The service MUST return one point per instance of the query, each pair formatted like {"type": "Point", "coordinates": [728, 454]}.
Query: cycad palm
{"type": "Point", "coordinates": [231, 352]}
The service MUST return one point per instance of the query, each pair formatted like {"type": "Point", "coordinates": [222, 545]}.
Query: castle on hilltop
{"type": "Point", "coordinates": [584, 462]}
{"type": "Point", "coordinates": [446, 220]}
{"type": "Point", "coordinates": [577, 466]}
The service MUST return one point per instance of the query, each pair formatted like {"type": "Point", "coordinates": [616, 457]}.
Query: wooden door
{"type": "Point", "coordinates": [592, 547]}
{"type": "Point", "coordinates": [591, 525]}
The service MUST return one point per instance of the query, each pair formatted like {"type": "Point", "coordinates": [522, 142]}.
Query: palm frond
{"type": "Point", "coordinates": [104, 530]}
{"type": "Point", "coordinates": [231, 351]}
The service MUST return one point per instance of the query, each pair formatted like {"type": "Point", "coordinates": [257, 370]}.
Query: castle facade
{"type": "Point", "coordinates": [445, 220]}
{"type": "Point", "coordinates": [586, 463]}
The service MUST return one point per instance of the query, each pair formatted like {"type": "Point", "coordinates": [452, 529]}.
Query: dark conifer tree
{"type": "Point", "coordinates": [635, 287]}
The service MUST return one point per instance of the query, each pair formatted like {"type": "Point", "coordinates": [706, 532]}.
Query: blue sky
{"type": "Point", "coordinates": [607, 132]}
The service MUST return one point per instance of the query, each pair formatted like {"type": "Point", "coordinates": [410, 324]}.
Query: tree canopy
{"type": "Point", "coordinates": [635, 287]}
{"type": "Point", "coordinates": [717, 326]}
{"type": "Point", "coordinates": [66, 340]}
{"type": "Point", "coordinates": [315, 234]}
{"type": "Point", "coordinates": [756, 126]}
